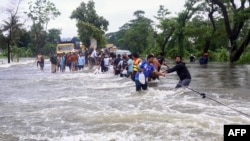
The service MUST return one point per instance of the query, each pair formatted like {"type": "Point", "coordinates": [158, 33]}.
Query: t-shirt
{"type": "Point", "coordinates": [146, 68]}
{"type": "Point", "coordinates": [53, 60]}
{"type": "Point", "coordinates": [81, 60]}
{"type": "Point", "coordinates": [130, 65]}
{"type": "Point", "coordinates": [62, 61]}
{"type": "Point", "coordinates": [93, 54]}
{"type": "Point", "coordinates": [106, 61]}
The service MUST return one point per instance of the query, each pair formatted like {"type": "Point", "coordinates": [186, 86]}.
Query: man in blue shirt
{"type": "Point", "coordinates": [146, 68]}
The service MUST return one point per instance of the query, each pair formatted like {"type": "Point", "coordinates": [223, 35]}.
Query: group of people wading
{"type": "Point", "coordinates": [74, 61]}
{"type": "Point", "coordinates": [141, 71]}
{"type": "Point", "coordinates": [150, 69]}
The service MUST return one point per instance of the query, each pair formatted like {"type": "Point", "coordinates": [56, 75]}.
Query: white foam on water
{"type": "Point", "coordinates": [75, 106]}
{"type": "Point", "coordinates": [4, 63]}
{"type": "Point", "coordinates": [116, 136]}
{"type": "Point", "coordinates": [109, 85]}
{"type": "Point", "coordinates": [65, 99]}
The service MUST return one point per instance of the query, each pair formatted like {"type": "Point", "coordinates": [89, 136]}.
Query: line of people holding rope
{"type": "Point", "coordinates": [123, 65]}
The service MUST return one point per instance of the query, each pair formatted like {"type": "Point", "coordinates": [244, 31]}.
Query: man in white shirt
{"type": "Point", "coordinates": [93, 56]}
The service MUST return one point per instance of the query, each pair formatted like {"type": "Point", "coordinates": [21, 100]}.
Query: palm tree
{"type": "Point", "coordinates": [13, 28]}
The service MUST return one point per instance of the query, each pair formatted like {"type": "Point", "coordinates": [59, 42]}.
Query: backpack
{"type": "Point", "coordinates": [53, 60]}
{"type": "Point", "coordinates": [122, 64]}
{"type": "Point", "coordinates": [125, 64]}
{"type": "Point", "coordinates": [116, 62]}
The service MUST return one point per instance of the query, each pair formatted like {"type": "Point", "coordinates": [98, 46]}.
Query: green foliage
{"type": "Point", "coordinates": [151, 49]}
{"type": "Point", "coordinates": [17, 52]}
{"type": "Point", "coordinates": [14, 29]}
{"type": "Point", "coordinates": [193, 33]}
{"type": "Point", "coordinates": [87, 14]}
{"type": "Point", "coordinates": [87, 31]}
{"type": "Point", "coordinates": [137, 35]}
{"type": "Point", "coordinates": [40, 12]}
{"type": "Point", "coordinates": [219, 55]}
{"type": "Point", "coordinates": [49, 48]}
{"type": "Point", "coordinates": [90, 24]}
{"type": "Point", "coordinates": [245, 58]}
{"type": "Point", "coordinates": [162, 13]}
{"type": "Point", "coordinates": [112, 38]}
{"type": "Point", "coordinates": [181, 23]}
{"type": "Point", "coordinates": [236, 19]}
{"type": "Point", "coordinates": [172, 52]}
{"type": "Point", "coordinates": [24, 40]}
{"type": "Point", "coordinates": [46, 50]}
{"type": "Point", "coordinates": [53, 35]}
{"type": "Point", "coordinates": [168, 26]}
{"type": "Point", "coordinates": [187, 33]}
{"type": "Point", "coordinates": [3, 43]}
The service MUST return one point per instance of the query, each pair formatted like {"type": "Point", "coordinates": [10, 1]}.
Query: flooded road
{"type": "Point", "coordinates": [83, 106]}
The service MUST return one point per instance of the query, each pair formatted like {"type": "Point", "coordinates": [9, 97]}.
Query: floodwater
{"type": "Point", "coordinates": [83, 106]}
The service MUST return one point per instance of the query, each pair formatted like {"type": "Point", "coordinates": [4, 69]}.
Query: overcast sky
{"type": "Point", "coordinates": [117, 12]}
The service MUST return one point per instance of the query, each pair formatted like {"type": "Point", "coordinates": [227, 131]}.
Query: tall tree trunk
{"type": "Point", "coordinates": [233, 32]}
{"type": "Point", "coordinates": [207, 45]}
{"type": "Point", "coordinates": [181, 44]}
{"type": "Point", "coordinates": [166, 39]}
{"type": "Point", "coordinates": [8, 52]}
{"type": "Point", "coordinates": [10, 38]}
{"type": "Point", "coordinates": [208, 41]}
{"type": "Point", "coordinates": [235, 54]}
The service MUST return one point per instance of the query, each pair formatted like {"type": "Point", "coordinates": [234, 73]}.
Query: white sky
{"type": "Point", "coordinates": [117, 12]}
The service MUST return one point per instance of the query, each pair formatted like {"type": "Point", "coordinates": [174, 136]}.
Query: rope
{"type": "Point", "coordinates": [203, 95]}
